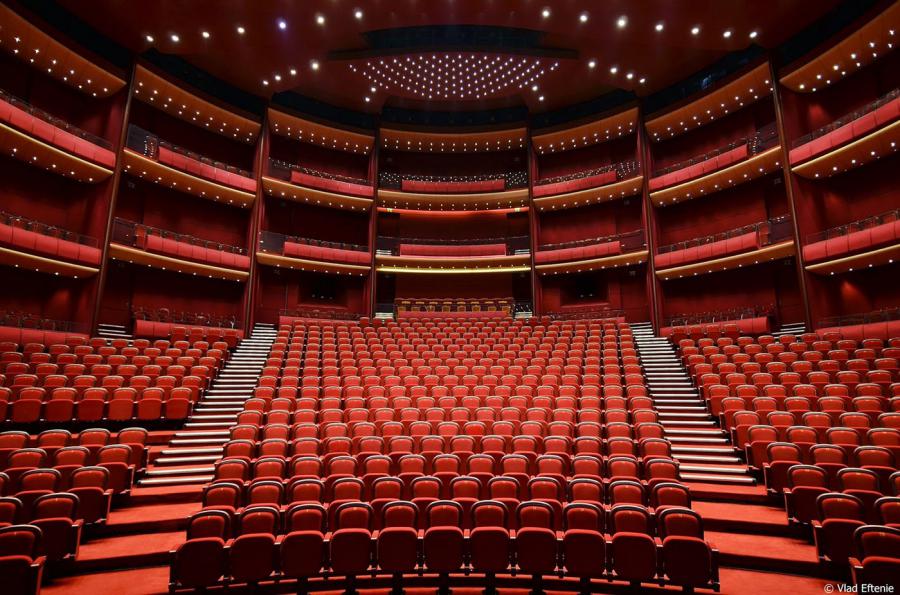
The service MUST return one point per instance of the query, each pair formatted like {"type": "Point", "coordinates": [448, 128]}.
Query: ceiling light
{"type": "Point", "coordinates": [643, 80]}
{"type": "Point", "coordinates": [314, 64]}
{"type": "Point", "coordinates": [614, 70]}
{"type": "Point", "coordinates": [265, 83]}
{"type": "Point", "coordinates": [277, 77]}
{"type": "Point", "coordinates": [534, 87]}
{"type": "Point", "coordinates": [541, 98]}
{"type": "Point", "coordinates": [583, 18]}
{"type": "Point", "coordinates": [205, 34]}
{"type": "Point", "coordinates": [695, 30]}
{"type": "Point", "coordinates": [368, 99]}
{"type": "Point", "coordinates": [545, 13]}
{"type": "Point", "coordinates": [727, 33]}
{"type": "Point", "coordinates": [753, 34]}
{"type": "Point", "coordinates": [320, 19]}
{"type": "Point", "coordinates": [293, 72]}
{"type": "Point", "coordinates": [282, 24]}
{"type": "Point", "coordinates": [659, 27]}
{"type": "Point", "coordinates": [592, 64]}
{"type": "Point", "coordinates": [358, 14]}
{"type": "Point", "coordinates": [621, 22]}
{"type": "Point", "coordinates": [629, 76]}
{"type": "Point", "coordinates": [149, 38]}
{"type": "Point", "coordinates": [241, 30]}
{"type": "Point", "coordinates": [174, 37]}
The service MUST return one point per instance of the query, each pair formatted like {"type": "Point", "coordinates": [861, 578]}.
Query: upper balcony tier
{"type": "Point", "coordinates": [453, 142]}
{"type": "Point", "coordinates": [192, 108]}
{"type": "Point", "coordinates": [482, 254]}
{"type": "Point", "coordinates": [585, 135]}
{"type": "Point", "coordinates": [701, 174]}
{"type": "Point", "coordinates": [468, 201]}
{"type": "Point", "coordinates": [590, 254]}
{"type": "Point", "coordinates": [579, 186]}
{"type": "Point", "coordinates": [170, 165]}
{"type": "Point", "coordinates": [310, 178]}
{"type": "Point", "coordinates": [724, 99]}
{"type": "Point", "coordinates": [880, 324]}
{"type": "Point", "coordinates": [308, 254]}
{"type": "Point", "coordinates": [316, 133]}
{"type": "Point", "coordinates": [449, 184]}
{"type": "Point", "coordinates": [46, 54]}
{"type": "Point", "coordinates": [31, 244]}
{"type": "Point", "coordinates": [867, 242]}
{"type": "Point", "coordinates": [36, 137]}
{"type": "Point", "coordinates": [864, 135]}
{"type": "Point", "coordinates": [857, 50]}
{"type": "Point", "coordinates": [735, 248]}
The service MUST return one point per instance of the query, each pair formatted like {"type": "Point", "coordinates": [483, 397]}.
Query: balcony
{"type": "Point", "coordinates": [867, 242]}
{"type": "Point", "coordinates": [612, 251]}
{"type": "Point", "coordinates": [35, 245]}
{"type": "Point", "coordinates": [395, 254]}
{"type": "Point", "coordinates": [300, 184]}
{"type": "Point", "coordinates": [453, 184]}
{"type": "Point", "coordinates": [164, 249]}
{"type": "Point", "coordinates": [750, 244]}
{"type": "Point", "coordinates": [308, 254]}
{"type": "Point", "coordinates": [38, 138]}
{"type": "Point", "coordinates": [753, 320]}
{"type": "Point", "coordinates": [23, 327]}
{"type": "Point", "coordinates": [170, 165]}
{"type": "Point", "coordinates": [735, 163]}
{"type": "Point", "coordinates": [881, 324]}
{"type": "Point", "coordinates": [860, 137]}
{"type": "Point", "coordinates": [577, 185]}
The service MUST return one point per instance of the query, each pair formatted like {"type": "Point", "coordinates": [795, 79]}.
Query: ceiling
{"type": "Point", "coordinates": [324, 49]}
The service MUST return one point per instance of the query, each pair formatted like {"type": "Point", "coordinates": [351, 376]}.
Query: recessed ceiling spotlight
{"type": "Point", "coordinates": [277, 77]}
{"type": "Point", "coordinates": [629, 76]}
{"type": "Point", "coordinates": [614, 69]}
{"type": "Point", "coordinates": [621, 22]}
{"type": "Point", "coordinates": [373, 89]}
{"type": "Point", "coordinates": [643, 80]}
{"type": "Point", "coordinates": [541, 98]}
{"type": "Point", "coordinates": [545, 13]}
{"type": "Point", "coordinates": [314, 64]}
{"type": "Point", "coordinates": [241, 30]}
{"type": "Point", "coordinates": [320, 19]}
{"type": "Point", "coordinates": [174, 37]}
{"type": "Point", "coordinates": [754, 34]}
{"type": "Point", "coordinates": [727, 33]}
{"type": "Point", "coordinates": [583, 17]}
{"type": "Point", "coordinates": [695, 30]}
{"type": "Point", "coordinates": [659, 27]}
{"type": "Point", "coordinates": [368, 99]}
{"type": "Point", "coordinates": [205, 34]}
{"type": "Point", "coordinates": [282, 24]}
{"type": "Point", "coordinates": [149, 38]}
{"type": "Point", "coordinates": [293, 72]}
{"type": "Point", "coordinates": [265, 83]}
{"type": "Point", "coordinates": [358, 14]}
{"type": "Point", "coordinates": [534, 87]}
{"type": "Point", "coordinates": [592, 64]}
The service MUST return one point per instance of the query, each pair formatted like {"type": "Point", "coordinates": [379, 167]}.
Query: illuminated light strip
{"type": "Point", "coordinates": [60, 266]}
{"type": "Point", "coordinates": [457, 271]}
{"type": "Point", "coordinates": [576, 266]}
{"type": "Point", "coordinates": [101, 171]}
{"type": "Point", "coordinates": [323, 198]}
{"type": "Point", "coordinates": [159, 261]}
{"type": "Point", "coordinates": [277, 260]}
{"type": "Point", "coordinates": [840, 264]}
{"type": "Point", "coordinates": [192, 184]}
{"type": "Point", "coordinates": [803, 169]}
{"type": "Point", "coordinates": [620, 121]}
{"type": "Point", "coordinates": [764, 159]}
{"type": "Point", "coordinates": [767, 253]}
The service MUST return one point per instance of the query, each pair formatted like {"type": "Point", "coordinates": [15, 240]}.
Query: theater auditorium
{"type": "Point", "coordinates": [500, 297]}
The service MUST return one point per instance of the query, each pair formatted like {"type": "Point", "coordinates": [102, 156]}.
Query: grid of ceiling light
{"type": "Point", "coordinates": [454, 75]}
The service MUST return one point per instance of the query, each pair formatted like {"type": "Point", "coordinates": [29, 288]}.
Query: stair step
{"type": "Point", "coordinates": [713, 459]}
{"type": "Point", "coordinates": [197, 441]}
{"type": "Point", "coordinates": [192, 470]}
{"type": "Point", "coordinates": [202, 434]}
{"type": "Point", "coordinates": [716, 478]}
{"type": "Point", "coordinates": [724, 470]}
{"type": "Point", "coordinates": [173, 481]}
{"type": "Point", "coordinates": [209, 425]}
{"type": "Point", "coordinates": [191, 460]}
{"type": "Point", "coordinates": [179, 452]}
{"type": "Point", "coordinates": [695, 439]}
{"type": "Point", "coordinates": [684, 423]}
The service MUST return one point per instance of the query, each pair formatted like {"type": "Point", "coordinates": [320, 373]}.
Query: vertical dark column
{"type": "Point", "coordinates": [536, 297]}
{"type": "Point", "coordinates": [113, 197]}
{"type": "Point", "coordinates": [373, 217]}
{"type": "Point", "coordinates": [654, 290]}
{"type": "Point", "coordinates": [790, 185]}
{"type": "Point", "coordinates": [261, 159]}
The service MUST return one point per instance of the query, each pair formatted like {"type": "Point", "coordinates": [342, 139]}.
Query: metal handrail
{"type": "Point", "coordinates": [631, 240]}
{"type": "Point", "coordinates": [718, 316]}
{"type": "Point", "coordinates": [127, 232]}
{"type": "Point", "coordinates": [858, 113]}
{"type": "Point", "coordinates": [148, 144]}
{"type": "Point", "coordinates": [764, 138]}
{"type": "Point", "coordinates": [32, 321]}
{"type": "Point", "coordinates": [51, 119]}
{"type": "Point", "coordinates": [769, 232]}
{"type": "Point", "coordinates": [186, 318]}
{"type": "Point", "coordinates": [282, 169]}
{"type": "Point", "coordinates": [624, 169]}
{"type": "Point", "coordinates": [853, 226]}
{"type": "Point", "coordinates": [866, 318]}
{"type": "Point", "coordinates": [45, 229]}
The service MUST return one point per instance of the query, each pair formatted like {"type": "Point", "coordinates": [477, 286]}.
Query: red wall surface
{"type": "Point", "coordinates": [342, 163]}
{"type": "Point", "coordinates": [616, 289]}
{"type": "Point", "coordinates": [319, 223]}
{"type": "Point", "coordinates": [601, 219]}
{"type": "Point", "coordinates": [452, 164]}
{"type": "Point", "coordinates": [57, 298]}
{"type": "Point", "coordinates": [550, 165]}
{"type": "Point", "coordinates": [449, 225]}
{"type": "Point", "coordinates": [280, 289]}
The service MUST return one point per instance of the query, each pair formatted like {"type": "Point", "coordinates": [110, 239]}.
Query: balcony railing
{"type": "Point", "coordinates": [860, 225]}
{"type": "Point", "coordinates": [130, 233]}
{"type": "Point", "coordinates": [514, 244]}
{"type": "Point", "coordinates": [631, 241]}
{"type": "Point", "coordinates": [854, 115]}
{"type": "Point", "coordinates": [719, 316]}
{"type": "Point", "coordinates": [324, 312]}
{"type": "Point", "coordinates": [44, 229]}
{"type": "Point", "coordinates": [282, 170]}
{"type": "Point", "coordinates": [186, 318]}
{"type": "Point", "coordinates": [764, 138]}
{"type": "Point", "coordinates": [394, 180]}
{"type": "Point", "coordinates": [768, 232]}
{"type": "Point", "coordinates": [148, 144]}
{"type": "Point", "coordinates": [51, 119]}
{"type": "Point", "coordinates": [34, 321]}
{"type": "Point", "coordinates": [624, 170]}
{"type": "Point", "coordinates": [866, 318]}
{"type": "Point", "coordinates": [273, 243]}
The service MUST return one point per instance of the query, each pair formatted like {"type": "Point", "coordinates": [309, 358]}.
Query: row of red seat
{"type": "Point", "coordinates": [701, 168]}
{"type": "Point", "coordinates": [468, 314]}
{"type": "Point", "coordinates": [12, 336]}
{"type": "Point", "coordinates": [329, 185]}
{"type": "Point", "coordinates": [578, 252]}
{"type": "Point", "coordinates": [745, 242]}
{"type": "Point", "coordinates": [204, 170]}
{"type": "Point", "coordinates": [756, 325]}
{"type": "Point", "coordinates": [453, 250]}
{"type": "Point", "coordinates": [491, 185]}
{"type": "Point", "coordinates": [882, 329]}
{"type": "Point", "coordinates": [90, 484]}
{"type": "Point", "coordinates": [93, 439]}
{"type": "Point", "coordinates": [57, 137]}
{"type": "Point", "coordinates": [152, 242]}
{"type": "Point", "coordinates": [852, 242]}
{"type": "Point", "coordinates": [806, 488]}
{"type": "Point", "coordinates": [574, 185]}
{"type": "Point", "coordinates": [302, 250]}
{"type": "Point", "coordinates": [850, 131]}
{"type": "Point", "coordinates": [177, 331]}
{"type": "Point", "coordinates": [49, 246]}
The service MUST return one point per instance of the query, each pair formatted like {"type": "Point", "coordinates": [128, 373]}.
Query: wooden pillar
{"type": "Point", "coordinates": [251, 291]}
{"type": "Point", "coordinates": [533, 224]}
{"type": "Point", "coordinates": [374, 163]}
{"type": "Point", "coordinates": [654, 291]}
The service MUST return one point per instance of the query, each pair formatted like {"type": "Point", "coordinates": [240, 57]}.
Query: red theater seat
{"type": "Point", "coordinates": [578, 252]}
{"type": "Point", "coordinates": [741, 243]}
{"type": "Point", "coordinates": [44, 245]}
{"type": "Point", "coordinates": [857, 241]}
{"type": "Point", "coordinates": [313, 252]}
{"type": "Point", "coordinates": [204, 170]}
{"type": "Point", "coordinates": [574, 185]}
{"type": "Point", "coordinates": [453, 251]}
{"type": "Point", "coordinates": [696, 170]}
{"type": "Point", "coordinates": [329, 185]}
{"type": "Point", "coordinates": [493, 185]}
{"type": "Point", "coordinates": [180, 249]}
